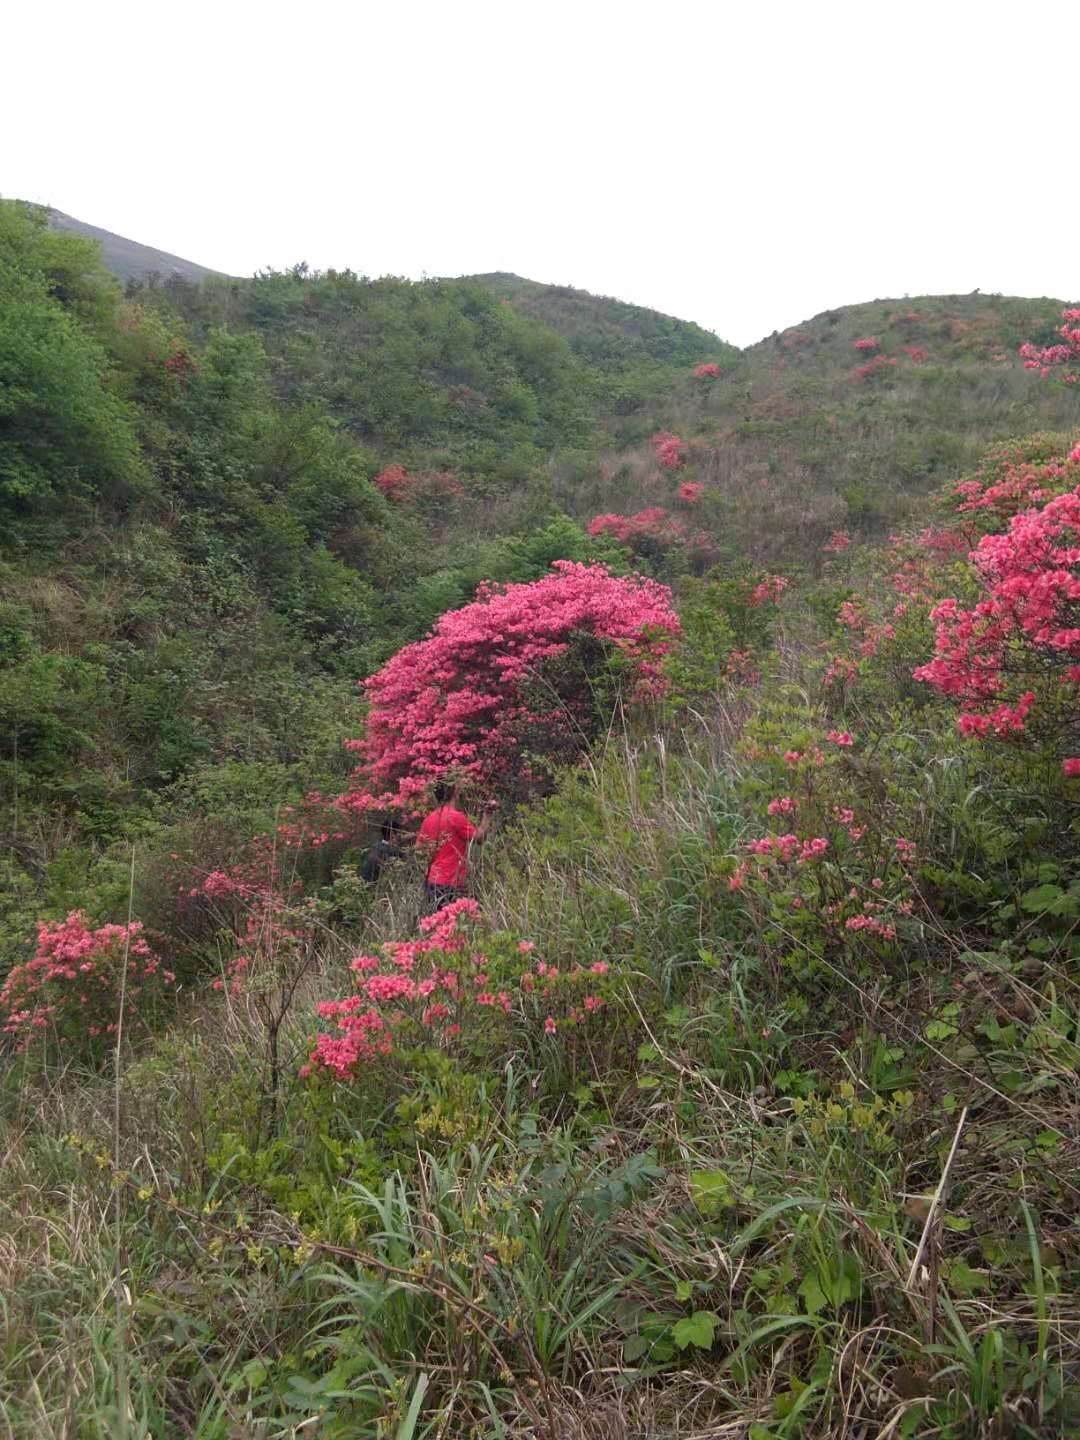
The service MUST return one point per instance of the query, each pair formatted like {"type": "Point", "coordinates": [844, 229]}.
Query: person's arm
{"type": "Point", "coordinates": [480, 831]}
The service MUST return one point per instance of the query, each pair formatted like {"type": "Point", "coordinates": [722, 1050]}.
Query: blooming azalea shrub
{"type": "Point", "coordinates": [457, 985]}
{"type": "Point", "coordinates": [877, 368]}
{"type": "Point", "coordinates": [867, 343]}
{"type": "Point", "coordinates": [1013, 476]}
{"type": "Point", "coordinates": [394, 482]}
{"type": "Point", "coordinates": [708, 371]}
{"type": "Point", "coordinates": [654, 524]}
{"type": "Point", "coordinates": [1062, 359]}
{"type": "Point", "coordinates": [70, 988]}
{"type": "Point", "coordinates": [916, 354]}
{"type": "Point", "coordinates": [837, 543]}
{"type": "Point", "coordinates": [1018, 648]}
{"type": "Point", "coordinates": [506, 681]}
{"type": "Point", "coordinates": [669, 450]}
{"type": "Point", "coordinates": [691, 491]}
{"type": "Point", "coordinates": [399, 486]}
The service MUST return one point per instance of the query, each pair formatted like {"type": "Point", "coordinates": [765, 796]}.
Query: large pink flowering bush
{"type": "Point", "coordinates": [506, 683]}
{"type": "Point", "coordinates": [70, 988]}
{"type": "Point", "coordinates": [1012, 659]}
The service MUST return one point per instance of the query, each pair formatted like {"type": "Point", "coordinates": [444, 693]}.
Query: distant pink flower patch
{"type": "Point", "coordinates": [669, 450]}
{"type": "Point", "coordinates": [877, 366]}
{"type": "Point", "coordinates": [393, 482]}
{"type": "Point", "coordinates": [840, 737]}
{"type": "Point", "coordinates": [838, 541]}
{"type": "Point", "coordinates": [709, 371]}
{"type": "Point", "coordinates": [783, 805]}
{"type": "Point", "coordinates": [867, 343]}
{"type": "Point", "coordinates": [769, 589]}
{"type": "Point", "coordinates": [1071, 767]}
{"type": "Point", "coordinates": [691, 491]}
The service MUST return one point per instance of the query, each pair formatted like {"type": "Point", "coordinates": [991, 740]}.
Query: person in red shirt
{"type": "Point", "coordinates": [448, 832]}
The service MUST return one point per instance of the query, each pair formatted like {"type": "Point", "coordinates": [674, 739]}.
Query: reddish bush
{"type": "Point", "coordinates": [670, 451]}
{"type": "Point", "coordinates": [71, 987]}
{"type": "Point", "coordinates": [708, 371]}
{"type": "Point", "coordinates": [691, 491]}
{"type": "Point", "coordinates": [399, 486]}
{"type": "Point", "coordinates": [454, 984]}
{"type": "Point", "coordinates": [872, 368]}
{"type": "Point", "coordinates": [394, 482]}
{"type": "Point", "coordinates": [1067, 354]}
{"type": "Point", "coordinates": [655, 523]}
{"type": "Point", "coordinates": [915, 353]}
{"type": "Point", "coordinates": [867, 343]}
{"type": "Point", "coordinates": [1018, 648]}
{"type": "Point", "coordinates": [506, 676]}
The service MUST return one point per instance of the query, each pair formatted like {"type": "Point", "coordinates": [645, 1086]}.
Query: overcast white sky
{"type": "Point", "coordinates": [745, 166]}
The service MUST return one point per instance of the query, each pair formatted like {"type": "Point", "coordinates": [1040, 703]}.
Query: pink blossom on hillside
{"type": "Point", "coordinates": [769, 589]}
{"type": "Point", "coordinates": [466, 700]}
{"type": "Point", "coordinates": [1046, 358]}
{"type": "Point", "coordinates": [867, 343]}
{"type": "Point", "coordinates": [654, 523]}
{"type": "Point", "coordinates": [691, 491]}
{"type": "Point", "coordinates": [709, 371]}
{"type": "Point", "coordinates": [669, 449]}
{"type": "Point", "coordinates": [1026, 628]}
{"type": "Point", "coordinates": [71, 985]}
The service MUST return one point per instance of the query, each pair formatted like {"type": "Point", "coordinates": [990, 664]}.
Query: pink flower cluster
{"type": "Point", "coordinates": [468, 699]}
{"type": "Point", "coordinates": [709, 371]}
{"type": "Point", "coordinates": [873, 367]}
{"type": "Point", "coordinates": [435, 987]}
{"type": "Point", "coordinates": [1050, 357]}
{"type": "Point", "coordinates": [669, 450]}
{"type": "Point", "coordinates": [1028, 624]}
{"type": "Point", "coordinates": [867, 343]}
{"type": "Point", "coordinates": [654, 523]}
{"type": "Point", "coordinates": [768, 590]}
{"type": "Point", "coordinates": [789, 847]}
{"type": "Point", "coordinates": [72, 983]}
{"type": "Point", "coordinates": [399, 486]}
{"type": "Point", "coordinates": [838, 541]}
{"type": "Point", "coordinates": [394, 483]}
{"type": "Point", "coordinates": [691, 491]}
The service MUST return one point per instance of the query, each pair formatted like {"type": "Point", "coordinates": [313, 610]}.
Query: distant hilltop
{"type": "Point", "coordinates": [127, 259]}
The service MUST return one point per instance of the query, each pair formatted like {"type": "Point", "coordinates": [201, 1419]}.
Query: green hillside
{"type": "Point", "coordinates": [736, 1096]}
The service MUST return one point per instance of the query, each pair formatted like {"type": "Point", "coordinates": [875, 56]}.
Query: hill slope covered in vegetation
{"type": "Point", "coordinates": [738, 1097]}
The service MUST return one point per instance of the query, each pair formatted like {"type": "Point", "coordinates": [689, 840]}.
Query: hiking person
{"type": "Point", "coordinates": [448, 832]}
{"type": "Point", "coordinates": [382, 852]}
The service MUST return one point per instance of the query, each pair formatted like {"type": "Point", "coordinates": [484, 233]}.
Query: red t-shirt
{"type": "Point", "coordinates": [451, 832]}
